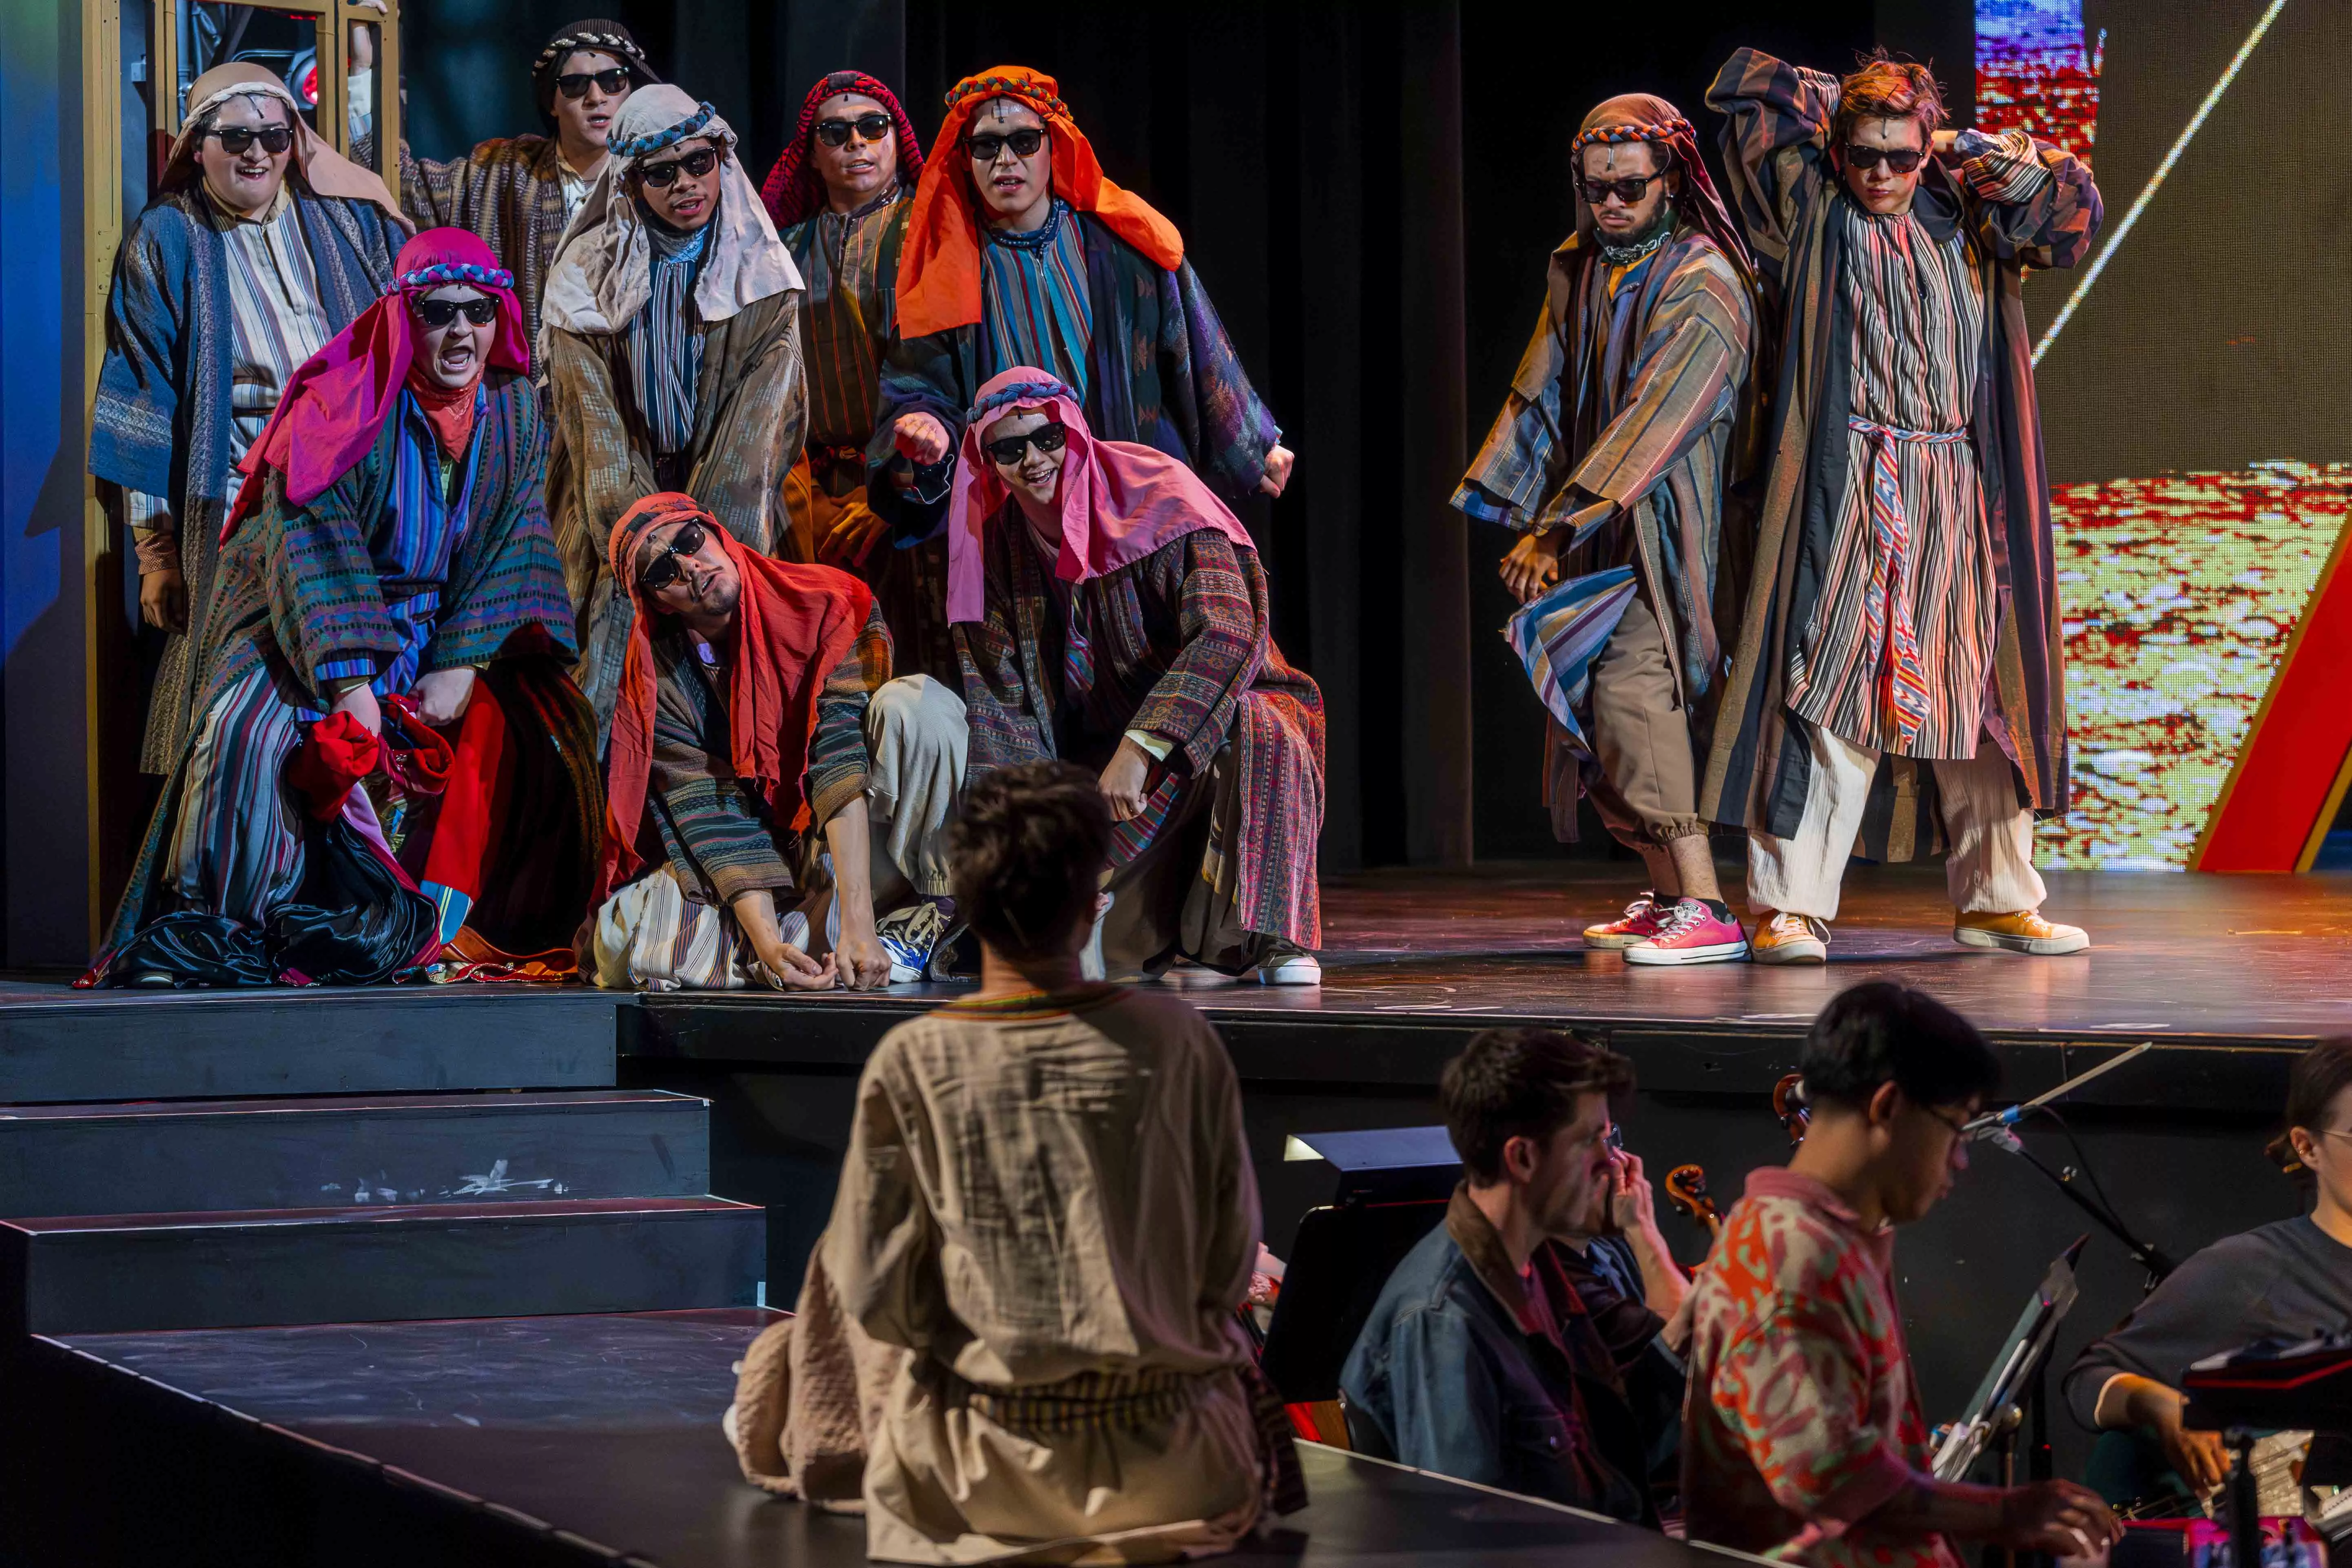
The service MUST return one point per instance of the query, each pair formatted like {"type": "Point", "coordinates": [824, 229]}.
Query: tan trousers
{"type": "Point", "coordinates": [1642, 736]}
{"type": "Point", "coordinates": [1988, 871]}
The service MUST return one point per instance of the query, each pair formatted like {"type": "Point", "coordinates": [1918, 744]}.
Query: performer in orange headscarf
{"type": "Point", "coordinates": [1020, 251]}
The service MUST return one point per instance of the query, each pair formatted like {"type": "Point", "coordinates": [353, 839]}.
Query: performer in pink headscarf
{"type": "Point", "coordinates": [1110, 611]}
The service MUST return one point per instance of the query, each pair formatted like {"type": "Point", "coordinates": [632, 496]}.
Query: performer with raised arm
{"type": "Point", "coordinates": [1110, 611]}
{"type": "Point", "coordinates": [1020, 251]}
{"type": "Point", "coordinates": [1803, 1435]}
{"type": "Point", "coordinates": [1628, 419]}
{"type": "Point", "coordinates": [673, 335]}
{"type": "Point", "coordinates": [387, 574]}
{"type": "Point", "coordinates": [1897, 676]}
{"type": "Point", "coordinates": [519, 192]}
{"type": "Point", "coordinates": [261, 243]}
{"type": "Point", "coordinates": [840, 194]}
{"type": "Point", "coordinates": [757, 728]}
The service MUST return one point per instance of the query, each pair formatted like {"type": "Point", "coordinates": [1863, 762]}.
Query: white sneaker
{"type": "Point", "coordinates": [1291, 969]}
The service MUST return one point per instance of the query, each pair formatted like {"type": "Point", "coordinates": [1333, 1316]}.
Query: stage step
{"type": "Point", "coordinates": [179, 1156]}
{"type": "Point", "coordinates": [137, 1045]}
{"type": "Point", "coordinates": [131, 1272]}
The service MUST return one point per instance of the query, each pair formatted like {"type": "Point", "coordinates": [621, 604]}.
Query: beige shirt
{"type": "Point", "coordinates": [1049, 1198]}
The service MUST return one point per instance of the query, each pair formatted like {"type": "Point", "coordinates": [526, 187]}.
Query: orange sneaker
{"type": "Point", "coordinates": [1783, 938]}
{"type": "Point", "coordinates": [1640, 922]}
{"type": "Point", "coordinates": [2023, 931]}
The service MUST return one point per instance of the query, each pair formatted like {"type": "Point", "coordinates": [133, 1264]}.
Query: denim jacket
{"type": "Point", "coordinates": [1453, 1372]}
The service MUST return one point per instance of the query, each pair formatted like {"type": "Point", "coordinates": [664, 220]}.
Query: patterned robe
{"type": "Point", "coordinates": [1175, 645]}
{"type": "Point", "coordinates": [2010, 217]}
{"type": "Point", "coordinates": [749, 411]}
{"type": "Point", "coordinates": [161, 423]}
{"type": "Point", "coordinates": [305, 592]}
{"type": "Point", "coordinates": [1160, 372]}
{"type": "Point", "coordinates": [510, 190]}
{"type": "Point", "coordinates": [1802, 1410]}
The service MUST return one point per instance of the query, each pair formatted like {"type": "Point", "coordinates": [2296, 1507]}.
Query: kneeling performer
{"type": "Point", "coordinates": [755, 713]}
{"type": "Point", "coordinates": [1110, 611]}
{"type": "Point", "coordinates": [386, 574]}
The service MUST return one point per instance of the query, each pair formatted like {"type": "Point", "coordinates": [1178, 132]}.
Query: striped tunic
{"type": "Point", "coordinates": [715, 829]}
{"type": "Point", "coordinates": [1040, 311]}
{"type": "Point", "coordinates": [665, 344]}
{"type": "Point", "coordinates": [849, 316]}
{"type": "Point", "coordinates": [1918, 331]}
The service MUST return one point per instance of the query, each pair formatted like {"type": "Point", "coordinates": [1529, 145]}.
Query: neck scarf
{"type": "Point", "coordinates": [1120, 502]}
{"type": "Point", "coordinates": [336, 402]}
{"type": "Point", "coordinates": [792, 624]}
{"type": "Point", "coordinates": [794, 190]}
{"type": "Point", "coordinates": [589, 33]}
{"type": "Point", "coordinates": [326, 172]}
{"type": "Point", "coordinates": [603, 271]}
{"type": "Point", "coordinates": [448, 410]}
{"type": "Point", "coordinates": [940, 269]}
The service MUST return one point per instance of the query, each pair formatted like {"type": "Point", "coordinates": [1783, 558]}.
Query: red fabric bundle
{"type": "Point", "coordinates": [339, 752]}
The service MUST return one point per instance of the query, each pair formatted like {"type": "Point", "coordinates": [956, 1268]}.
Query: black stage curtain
{"type": "Point", "coordinates": [1370, 189]}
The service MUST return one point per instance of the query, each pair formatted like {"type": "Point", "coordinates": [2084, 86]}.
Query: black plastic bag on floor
{"type": "Point", "coordinates": [355, 924]}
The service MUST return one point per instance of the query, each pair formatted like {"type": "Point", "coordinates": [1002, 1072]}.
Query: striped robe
{"type": "Point", "coordinates": [510, 190]}
{"type": "Point", "coordinates": [1177, 646]}
{"type": "Point", "coordinates": [2010, 217]}
{"type": "Point", "coordinates": [160, 424]}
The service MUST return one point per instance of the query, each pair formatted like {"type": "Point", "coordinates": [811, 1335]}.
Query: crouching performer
{"type": "Point", "coordinates": [1019, 1333]}
{"type": "Point", "coordinates": [1108, 610]}
{"type": "Point", "coordinates": [760, 747]}
{"type": "Point", "coordinates": [389, 614]}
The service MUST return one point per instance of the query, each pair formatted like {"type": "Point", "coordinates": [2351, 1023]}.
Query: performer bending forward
{"type": "Point", "coordinates": [1109, 611]}
{"type": "Point", "coordinates": [1627, 419]}
{"type": "Point", "coordinates": [1905, 607]}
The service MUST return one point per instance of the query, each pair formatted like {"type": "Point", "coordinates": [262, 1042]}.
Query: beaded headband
{"type": "Point", "coordinates": [642, 145]}
{"type": "Point", "coordinates": [615, 43]}
{"type": "Point", "coordinates": [1600, 136]}
{"type": "Point", "coordinates": [1007, 87]}
{"type": "Point", "coordinates": [455, 272]}
{"type": "Point", "coordinates": [1019, 392]}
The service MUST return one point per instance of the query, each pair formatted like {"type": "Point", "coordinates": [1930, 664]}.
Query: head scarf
{"type": "Point", "coordinates": [336, 402]}
{"type": "Point", "coordinates": [589, 33]}
{"type": "Point", "coordinates": [1120, 500]}
{"type": "Point", "coordinates": [1641, 117]}
{"type": "Point", "coordinates": [939, 272]}
{"type": "Point", "coordinates": [326, 172]}
{"type": "Point", "coordinates": [792, 624]}
{"type": "Point", "coordinates": [603, 271]}
{"type": "Point", "coordinates": [793, 189]}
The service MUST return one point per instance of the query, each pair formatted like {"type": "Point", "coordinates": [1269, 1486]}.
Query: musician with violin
{"type": "Point", "coordinates": [2287, 1281]}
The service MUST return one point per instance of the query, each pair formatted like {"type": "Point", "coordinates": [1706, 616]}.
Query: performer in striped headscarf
{"type": "Point", "coordinates": [1898, 677]}
{"type": "Point", "coordinates": [389, 613]}
{"type": "Point", "coordinates": [1628, 425]}
{"type": "Point", "coordinates": [671, 331]}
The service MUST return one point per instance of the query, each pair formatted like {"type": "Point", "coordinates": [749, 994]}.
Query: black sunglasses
{"type": "Point", "coordinates": [869, 128]}
{"type": "Point", "coordinates": [664, 174]}
{"type": "Point", "coordinates": [687, 541]}
{"type": "Point", "coordinates": [1024, 143]}
{"type": "Point", "coordinates": [1046, 439]}
{"type": "Point", "coordinates": [574, 84]}
{"type": "Point", "coordinates": [1902, 160]}
{"type": "Point", "coordinates": [1628, 190]}
{"type": "Point", "coordinates": [236, 139]}
{"type": "Point", "coordinates": [439, 313]}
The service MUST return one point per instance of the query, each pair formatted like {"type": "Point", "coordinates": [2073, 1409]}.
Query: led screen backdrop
{"type": "Point", "coordinates": [2196, 379]}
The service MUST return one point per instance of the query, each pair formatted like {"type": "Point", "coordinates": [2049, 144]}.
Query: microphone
{"type": "Point", "coordinates": [1993, 1126]}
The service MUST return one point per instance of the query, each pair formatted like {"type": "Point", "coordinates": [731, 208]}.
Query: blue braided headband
{"type": "Point", "coordinates": [455, 272]}
{"type": "Point", "coordinates": [1666, 129]}
{"type": "Point", "coordinates": [1019, 392]}
{"type": "Point", "coordinates": [676, 133]}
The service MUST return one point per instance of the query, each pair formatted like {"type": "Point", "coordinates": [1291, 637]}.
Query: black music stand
{"type": "Point", "coordinates": [2266, 1386]}
{"type": "Point", "coordinates": [1997, 1406]}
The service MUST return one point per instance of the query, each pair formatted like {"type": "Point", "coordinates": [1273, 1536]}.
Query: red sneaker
{"type": "Point", "coordinates": [1689, 932]}
{"type": "Point", "coordinates": [1639, 923]}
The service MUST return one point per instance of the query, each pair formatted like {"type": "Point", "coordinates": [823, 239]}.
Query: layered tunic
{"type": "Point", "coordinates": [1175, 646]}
{"type": "Point", "coordinates": [207, 318]}
{"type": "Point", "coordinates": [1048, 1203]}
{"type": "Point", "coordinates": [516, 193]}
{"type": "Point", "coordinates": [2007, 204]}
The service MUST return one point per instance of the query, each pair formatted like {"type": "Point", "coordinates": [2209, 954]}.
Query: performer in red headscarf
{"type": "Point", "coordinates": [840, 194]}
{"type": "Point", "coordinates": [387, 565]}
{"type": "Point", "coordinates": [1111, 567]}
{"type": "Point", "coordinates": [1625, 436]}
{"type": "Point", "coordinates": [1019, 251]}
{"type": "Point", "coordinates": [757, 728]}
